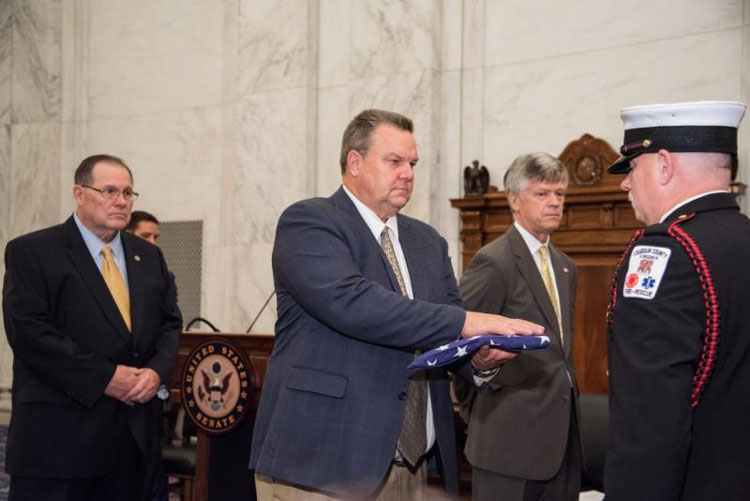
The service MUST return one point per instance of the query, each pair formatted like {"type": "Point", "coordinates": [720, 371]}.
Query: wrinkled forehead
{"type": "Point", "coordinates": [111, 173]}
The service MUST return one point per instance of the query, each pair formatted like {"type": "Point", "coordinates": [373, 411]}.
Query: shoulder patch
{"type": "Point", "coordinates": [645, 271]}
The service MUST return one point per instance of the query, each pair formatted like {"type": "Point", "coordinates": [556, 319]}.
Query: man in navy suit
{"type": "Point", "coordinates": [89, 354]}
{"type": "Point", "coordinates": [359, 288]}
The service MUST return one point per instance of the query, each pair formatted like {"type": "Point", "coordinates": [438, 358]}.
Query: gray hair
{"type": "Point", "coordinates": [538, 166]}
{"type": "Point", "coordinates": [358, 133]}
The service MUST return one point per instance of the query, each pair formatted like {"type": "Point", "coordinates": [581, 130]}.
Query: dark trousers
{"type": "Point", "coordinates": [563, 486]}
{"type": "Point", "coordinates": [124, 482]}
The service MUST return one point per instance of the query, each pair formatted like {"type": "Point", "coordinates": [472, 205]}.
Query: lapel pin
{"type": "Point", "coordinates": [565, 270]}
{"type": "Point", "coordinates": [138, 258]}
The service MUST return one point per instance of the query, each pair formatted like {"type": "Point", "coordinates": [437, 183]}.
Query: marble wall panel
{"type": "Point", "coordinates": [237, 281]}
{"type": "Point", "coordinates": [5, 170]}
{"type": "Point", "coordinates": [333, 116]}
{"type": "Point", "coordinates": [175, 157]}
{"type": "Point", "coordinates": [6, 30]}
{"type": "Point", "coordinates": [473, 26]}
{"type": "Point", "coordinates": [334, 45]}
{"type": "Point", "coordinates": [146, 56]}
{"type": "Point", "coordinates": [472, 110]}
{"type": "Point", "coordinates": [451, 164]}
{"type": "Point", "coordinates": [215, 285]}
{"type": "Point", "coordinates": [392, 36]}
{"type": "Point", "coordinates": [6, 357]}
{"type": "Point", "coordinates": [543, 105]}
{"type": "Point", "coordinates": [250, 284]}
{"type": "Point", "coordinates": [414, 94]}
{"type": "Point", "coordinates": [517, 30]}
{"type": "Point", "coordinates": [34, 177]}
{"type": "Point", "coordinates": [272, 168]}
{"type": "Point", "coordinates": [743, 174]}
{"type": "Point", "coordinates": [451, 35]}
{"type": "Point", "coordinates": [273, 45]}
{"type": "Point", "coordinates": [36, 53]}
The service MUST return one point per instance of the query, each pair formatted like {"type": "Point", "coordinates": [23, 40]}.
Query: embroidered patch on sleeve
{"type": "Point", "coordinates": [645, 271]}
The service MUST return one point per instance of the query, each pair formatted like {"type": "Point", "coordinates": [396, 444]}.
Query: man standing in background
{"type": "Point", "coordinates": [523, 442]}
{"type": "Point", "coordinates": [91, 317]}
{"type": "Point", "coordinates": [145, 225]}
{"type": "Point", "coordinates": [679, 336]}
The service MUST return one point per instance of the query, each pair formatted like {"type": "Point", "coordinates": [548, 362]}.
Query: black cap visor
{"type": "Point", "coordinates": [677, 139]}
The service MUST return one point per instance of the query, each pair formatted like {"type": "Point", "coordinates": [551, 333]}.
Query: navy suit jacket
{"type": "Point", "coordinates": [67, 337]}
{"type": "Point", "coordinates": [333, 398]}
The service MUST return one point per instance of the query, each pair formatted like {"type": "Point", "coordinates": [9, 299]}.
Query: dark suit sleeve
{"type": "Point", "coordinates": [315, 263]}
{"type": "Point", "coordinates": [478, 295]}
{"type": "Point", "coordinates": [168, 339]}
{"type": "Point", "coordinates": [573, 294]}
{"type": "Point", "coordinates": [653, 347]}
{"type": "Point", "coordinates": [53, 357]}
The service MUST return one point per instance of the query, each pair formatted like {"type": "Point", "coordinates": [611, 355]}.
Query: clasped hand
{"type": "Point", "coordinates": [133, 385]}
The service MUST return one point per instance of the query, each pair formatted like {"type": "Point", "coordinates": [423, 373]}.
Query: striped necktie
{"type": "Point", "coordinates": [412, 441]}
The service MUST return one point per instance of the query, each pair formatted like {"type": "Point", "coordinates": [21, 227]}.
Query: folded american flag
{"type": "Point", "coordinates": [462, 348]}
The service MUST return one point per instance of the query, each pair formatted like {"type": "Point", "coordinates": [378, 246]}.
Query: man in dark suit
{"type": "Point", "coordinates": [359, 288]}
{"type": "Point", "coordinates": [523, 434]}
{"type": "Point", "coordinates": [91, 317]}
{"type": "Point", "coordinates": [145, 225]}
{"type": "Point", "coordinates": [679, 337]}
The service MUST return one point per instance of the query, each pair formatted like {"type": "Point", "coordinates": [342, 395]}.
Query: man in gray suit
{"type": "Point", "coordinates": [359, 288]}
{"type": "Point", "coordinates": [523, 436]}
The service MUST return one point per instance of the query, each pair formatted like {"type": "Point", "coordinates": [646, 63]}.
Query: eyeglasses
{"type": "Point", "coordinates": [111, 193]}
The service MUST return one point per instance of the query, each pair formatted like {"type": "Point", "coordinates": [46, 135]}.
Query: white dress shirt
{"type": "Point", "coordinates": [376, 226]}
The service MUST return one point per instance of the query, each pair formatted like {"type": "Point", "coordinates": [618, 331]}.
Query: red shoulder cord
{"type": "Point", "coordinates": [613, 283]}
{"type": "Point", "coordinates": [711, 337]}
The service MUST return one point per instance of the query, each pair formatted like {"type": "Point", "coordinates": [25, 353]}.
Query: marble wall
{"type": "Point", "coordinates": [30, 145]}
{"type": "Point", "coordinates": [229, 110]}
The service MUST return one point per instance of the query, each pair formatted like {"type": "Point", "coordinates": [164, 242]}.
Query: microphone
{"type": "Point", "coordinates": [261, 311]}
{"type": "Point", "coordinates": [201, 319]}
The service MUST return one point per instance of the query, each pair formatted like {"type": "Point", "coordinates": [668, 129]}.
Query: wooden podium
{"type": "Point", "coordinates": [257, 349]}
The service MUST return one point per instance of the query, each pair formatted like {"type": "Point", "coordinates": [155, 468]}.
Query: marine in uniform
{"type": "Point", "coordinates": [679, 333]}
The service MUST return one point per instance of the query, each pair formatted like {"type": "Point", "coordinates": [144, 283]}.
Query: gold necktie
{"type": "Point", "coordinates": [548, 284]}
{"type": "Point", "coordinates": [412, 442]}
{"type": "Point", "coordinates": [116, 285]}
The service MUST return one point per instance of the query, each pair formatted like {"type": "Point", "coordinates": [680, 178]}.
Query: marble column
{"type": "Point", "coordinates": [744, 166]}
{"type": "Point", "coordinates": [5, 123]}
{"type": "Point", "coordinates": [30, 62]}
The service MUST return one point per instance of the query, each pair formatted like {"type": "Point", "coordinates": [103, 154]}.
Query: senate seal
{"type": "Point", "coordinates": [216, 386]}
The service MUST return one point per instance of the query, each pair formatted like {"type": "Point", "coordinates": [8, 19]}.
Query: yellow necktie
{"type": "Point", "coordinates": [113, 279]}
{"type": "Point", "coordinates": [549, 285]}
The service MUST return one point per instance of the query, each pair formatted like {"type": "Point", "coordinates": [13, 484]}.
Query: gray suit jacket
{"type": "Point", "coordinates": [518, 423]}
